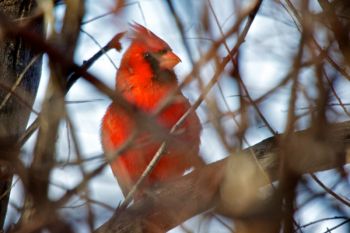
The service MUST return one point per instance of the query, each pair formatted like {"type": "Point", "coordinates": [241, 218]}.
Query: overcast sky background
{"type": "Point", "coordinates": [271, 41]}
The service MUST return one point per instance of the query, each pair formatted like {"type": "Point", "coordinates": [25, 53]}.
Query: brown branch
{"type": "Point", "coordinates": [294, 14]}
{"type": "Point", "coordinates": [40, 45]}
{"type": "Point", "coordinates": [161, 211]}
{"type": "Point", "coordinates": [339, 30]}
{"type": "Point", "coordinates": [53, 110]}
{"type": "Point", "coordinates": [201, 190]}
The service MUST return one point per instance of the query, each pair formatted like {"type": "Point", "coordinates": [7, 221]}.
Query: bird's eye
{"type": "Point", "coordinates": [146, 55]}
{"type": "Point", "coordinates": [163, 51]}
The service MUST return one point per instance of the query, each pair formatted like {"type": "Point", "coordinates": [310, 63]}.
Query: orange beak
{"type": "Point", "coordinates": [168, 60]}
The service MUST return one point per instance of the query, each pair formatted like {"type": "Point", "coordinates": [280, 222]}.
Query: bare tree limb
{"type": "Point", "coordinates": [173, 203]}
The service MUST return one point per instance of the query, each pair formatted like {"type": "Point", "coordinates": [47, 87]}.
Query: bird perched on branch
{"type": "Point", "coordinates": [145, 79]}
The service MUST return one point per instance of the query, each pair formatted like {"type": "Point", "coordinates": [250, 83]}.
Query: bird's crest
{"type": "Point", "coordinates": [145, 36]}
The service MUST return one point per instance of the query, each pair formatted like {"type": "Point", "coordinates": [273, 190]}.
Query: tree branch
{"type": "Point", "coordinates": [173, 203]}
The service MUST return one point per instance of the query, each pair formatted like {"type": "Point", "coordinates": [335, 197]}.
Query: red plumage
{"type": "Point", "coordinates": [145, 78]}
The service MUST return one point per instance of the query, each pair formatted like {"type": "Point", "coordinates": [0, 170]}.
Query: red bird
{"type": "Point", "coordinates": [145, 78]}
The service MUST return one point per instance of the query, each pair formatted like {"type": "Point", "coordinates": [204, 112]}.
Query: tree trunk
{"type": "Point", "coordinates": [19, 80]}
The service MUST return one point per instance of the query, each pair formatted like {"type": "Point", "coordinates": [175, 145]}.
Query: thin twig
{"type": "Point", "coordinates": [18, 82]}
{"type": "Point", "coordinates": [324, 219]}
{"type": "Point", "coordinates": [328, 190]}
{"type": "Point", "coordinates": [100, 47]}
{"type": "Point", "coordinates": [295, 15]}
{"type": "Point", "coordinates": [337, 226]}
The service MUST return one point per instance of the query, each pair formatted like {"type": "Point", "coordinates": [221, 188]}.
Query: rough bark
{"type": "Point", "coordinates": [16, 55]}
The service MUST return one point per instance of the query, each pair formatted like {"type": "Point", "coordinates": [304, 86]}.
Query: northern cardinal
{"type": "Point", "coordinates": [145, 78]}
